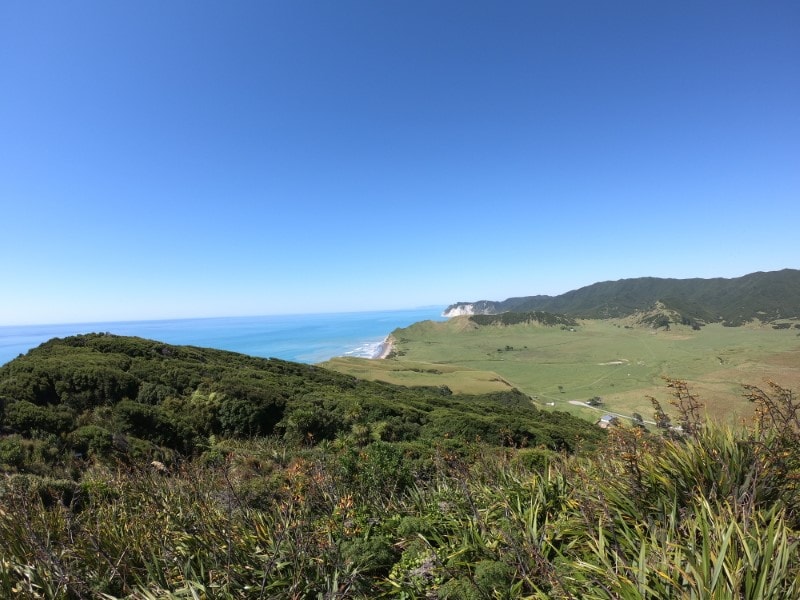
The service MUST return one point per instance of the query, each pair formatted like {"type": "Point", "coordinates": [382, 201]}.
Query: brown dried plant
{"type": "Point", "coordinates": [777, 410]}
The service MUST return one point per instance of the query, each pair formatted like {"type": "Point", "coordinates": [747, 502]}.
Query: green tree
{"type": "Point", "coordinates": [91, 440]}
{"type": "Point", "coordinates": [24, 417]}
{"type": "Point", "coordinates": [12, 453]}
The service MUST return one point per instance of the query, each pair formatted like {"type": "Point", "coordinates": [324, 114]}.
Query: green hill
{"type": "Point", "coordinates": [766, 296]}
{"type": "Point", "coordinates": [103, 394]}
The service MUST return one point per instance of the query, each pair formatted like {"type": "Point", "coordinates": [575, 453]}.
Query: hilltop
{"type": "Point", "coordinates": [763, 296]}
{"type": "Point", "coordinates": [104, 395]}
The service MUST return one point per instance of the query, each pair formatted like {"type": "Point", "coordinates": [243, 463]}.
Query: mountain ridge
{"type": "Point", "coordinates": [766, 296]}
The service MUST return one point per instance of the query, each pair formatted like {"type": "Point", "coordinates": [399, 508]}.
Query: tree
{"type": "Point", "coordinates": [24, 417]}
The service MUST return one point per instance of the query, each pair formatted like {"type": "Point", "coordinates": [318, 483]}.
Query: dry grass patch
{"type": "Point", "coordinates": [460, 380]}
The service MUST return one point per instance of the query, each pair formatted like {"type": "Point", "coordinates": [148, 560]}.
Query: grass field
{"type": "Point", "coordinates": [613, 359]}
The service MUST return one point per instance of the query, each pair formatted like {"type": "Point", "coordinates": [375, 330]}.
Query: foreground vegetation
{"type": "Point", "coordinates": [700, 512]}
{"type": "Point", "coordinates": [134, 469]}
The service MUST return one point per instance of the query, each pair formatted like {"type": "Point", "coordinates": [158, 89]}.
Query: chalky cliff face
{"type": "Point", "coordinates": [458, 310]}
{"type": "Point", "coordinates": [483, 307]}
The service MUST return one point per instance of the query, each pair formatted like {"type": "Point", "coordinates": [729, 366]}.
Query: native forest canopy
{"type": "Point", "coordinates": [765, 296]}
{"type": "Point", "coordinates": [131, 468]}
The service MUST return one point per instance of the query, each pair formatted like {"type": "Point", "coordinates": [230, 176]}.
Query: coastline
{"type": "Point", "coordinates": [385, 349]}
{"type": "Point", "coordinates": [304, 338]}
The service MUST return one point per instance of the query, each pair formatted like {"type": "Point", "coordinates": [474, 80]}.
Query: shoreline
{"type": "Point", "coordinates": [385, 349]}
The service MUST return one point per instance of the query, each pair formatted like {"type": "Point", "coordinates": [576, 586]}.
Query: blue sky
{"type": "Point", "coordinates": [194, 158]}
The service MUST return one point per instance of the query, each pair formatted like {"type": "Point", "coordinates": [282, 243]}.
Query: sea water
{"type": "Point", "coordinates": [308, 338]}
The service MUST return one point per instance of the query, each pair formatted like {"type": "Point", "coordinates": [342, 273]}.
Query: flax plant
{"type": "Point", "coordinates": [706, 512]}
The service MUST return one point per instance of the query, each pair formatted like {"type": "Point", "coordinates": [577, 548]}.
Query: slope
{"type": "Point", "coordinates": [766, 296]}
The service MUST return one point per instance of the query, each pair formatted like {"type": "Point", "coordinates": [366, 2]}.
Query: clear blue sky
{"type": "Point", "coordinates": [194, 158]}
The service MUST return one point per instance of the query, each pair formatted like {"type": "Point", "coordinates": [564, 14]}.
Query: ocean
{"type": "Point", "coordinates": [311, 338]}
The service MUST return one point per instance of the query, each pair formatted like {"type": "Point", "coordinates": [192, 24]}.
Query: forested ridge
{"type": "Point", "coordinates": [765, 296]}
{"type": "Point", "coordinates": [517, 318]}
{"type": "Point", "coordinates": [141, 470]}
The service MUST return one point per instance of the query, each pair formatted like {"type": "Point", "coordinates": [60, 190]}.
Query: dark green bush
{"type": "Point", "coordinates": [243, 416]}
{"type": "Point", "coordinates": [140, 420]}
{"type": "Point", "coordinates": [85, 387]}
{"type": "Point", "coordinates": [153, 393]}
{"type": "Point", "coordinates": [314, 421]}
{"type": "Point", "coordinates": [92, 440]}
{"type": "Point", "coordinates": [533, 459]}
{"type": "Point", "coordinates": [21, 384]}
{"type": "Point", "coordinates": [50, 491]}
{"type": "Point", "coordinates": [25, 418]}
{"type": "Point", "coordinates": [12, 451]}
{"type": "Point", "coordinates": [374, 555]}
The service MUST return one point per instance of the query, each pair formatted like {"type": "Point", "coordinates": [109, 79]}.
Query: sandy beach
{"type": "Point", "coordinates": [386, 348]}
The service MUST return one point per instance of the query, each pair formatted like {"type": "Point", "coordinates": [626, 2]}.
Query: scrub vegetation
{"type": "Point", "coordinates": [136, 469]}
{"type": "Point", "coordinates": [137, 397]}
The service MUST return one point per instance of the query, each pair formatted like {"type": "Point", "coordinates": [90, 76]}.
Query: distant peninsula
{"type": "Point", "coordinates": [762, 296]}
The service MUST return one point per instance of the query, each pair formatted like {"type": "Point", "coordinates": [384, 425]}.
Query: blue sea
{"type": "Point", "coordinates": [309, 338]}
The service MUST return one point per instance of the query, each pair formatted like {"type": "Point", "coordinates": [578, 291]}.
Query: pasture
{"type": "Point", "coordinates": [618, 361]}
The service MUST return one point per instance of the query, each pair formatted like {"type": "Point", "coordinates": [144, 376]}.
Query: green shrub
{"type": "Point", "coordinates": [36, 387]}
{"type": "Point", "coordinates": [245, 416]}
{"type": "Point", "coordinates": [153, 393]}
{"type": "Point", "coordinates": [378, 471]}
{"type": "Point", "coordinates": [25, 418]}
{"type": "Point", "coordinates": [494, 578]}
{"type": "Point", "coordinates": [92, 440]}
{"type": "Point", "coordinates": [46, 449]}
{"type": "Point", "coordinates": [533, 459]}
{"type": "Point", "coordinates": [94, 385]}
{"type": "Point", "coordinates": [51, 491]}
{"type": "Point", "coordinates": [97, 489]}
{"type": "Point", "coordinates": [373, 555]}
{"type": "Point", "coordinates": [12, 451]}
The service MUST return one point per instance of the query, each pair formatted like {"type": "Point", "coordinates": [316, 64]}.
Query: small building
{"type": "Point", "coordinates": [606, 421]}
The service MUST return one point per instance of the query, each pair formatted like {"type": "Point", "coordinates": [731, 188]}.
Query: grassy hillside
{"type": "Point", "coordinates": [766, 296]}
{"type": "Point", "coordinates": [621, 362]}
